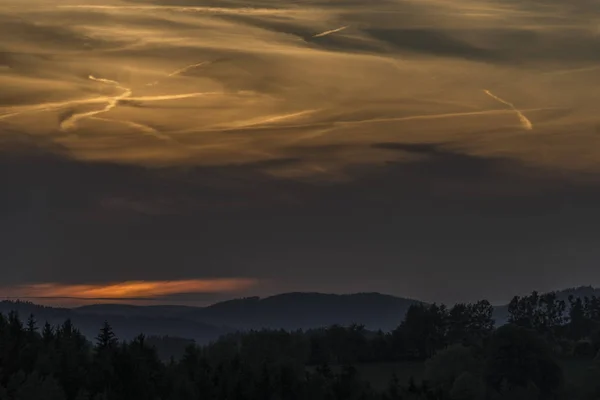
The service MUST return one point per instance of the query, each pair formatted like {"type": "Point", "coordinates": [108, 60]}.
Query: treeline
{"type": "Point", "coordinates": [465, 358]}
{"type": "Point", "coordinates": [424, 330]}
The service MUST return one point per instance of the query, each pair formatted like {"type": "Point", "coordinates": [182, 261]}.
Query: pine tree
{"type": "Point", "coordinates": [106, 339]}
{"type": "Point", "coordinates": [31, 325]}
{"type": "Point", "coordinates": [47, 333]}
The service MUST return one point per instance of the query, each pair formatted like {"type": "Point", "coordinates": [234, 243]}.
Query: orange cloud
{"type": "Point", "coordinates": [130, 289]}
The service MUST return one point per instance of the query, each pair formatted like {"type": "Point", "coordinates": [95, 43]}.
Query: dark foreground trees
{"type": "Point", "coordinates": [519, 362]}
{"type": "Point", "coordinates": [464, 356]}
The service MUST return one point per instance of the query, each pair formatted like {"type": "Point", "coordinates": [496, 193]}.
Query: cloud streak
{"type": "Point", "coordinates": [186, 9]}
{"type": "Point", "coordinates": [50, 106]}
{"type": "Point", "coordinates": [129, 290]}
{"type": "Point", "coordinates": [181, 71]}
{"type": "Point", "coordinates": [71, 121]}
{"type": "Point", "coordinates": [525, 122]}
{"type": "Point", "coordinates": [318, 35]}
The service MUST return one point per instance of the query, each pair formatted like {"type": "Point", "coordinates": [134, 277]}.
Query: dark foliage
{"type": "Point", "coordinates": [465, 357]}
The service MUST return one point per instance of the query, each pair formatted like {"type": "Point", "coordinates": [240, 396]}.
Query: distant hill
{"type": "Point", "coordinates": [288, 311]}
{"type": "Point", "coordinates": [125, 326]}
{"type": "Point", "coordinates": [304, 310]}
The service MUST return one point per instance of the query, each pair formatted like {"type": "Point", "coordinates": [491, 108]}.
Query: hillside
{"type": "Point", "coordinates": [292, 311]}
{"type": "Point", "coordinates": [288, 311]}
{"type": "Point", "coordinates": [125, 326]}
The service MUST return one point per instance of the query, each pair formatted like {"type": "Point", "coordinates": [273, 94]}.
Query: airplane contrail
{"type": "Point", "coordinates": [19, 110]}
{"type": "Point", "coordinates": [144, 128]}
{"type": "Point", "coordinates": [180, 71]}
{"type": "Point", "coordinates": [434, 116]}
{"type": "Point", "coordinates": [112, 102]}
{"type": "Point", "coordinates": [330, 32]}
{"type": "Point", "coordinates": [126, 94]}
{"type": "Point", "coordinates": [107, 81]}
{"type": "Point", "coordinates": [526, 123]}
{"type": "Point", "coordinates": [71, 121]}
{"type": "Point", "coordinates": [187, 68]}
{"type": "Point", "coordinates": [423, 117]}
{"type": "Point", "coordinates": [197, 9]}
{"type": "Point", "coordinates": [287, 116]}
{"type": "Point", "coordinates": [268, 120]}
{"type": "Point", "coordinates": [573, 71]}
{"type": "Point", "coordinates": [173, 96]}
{"type": "Point", "coordinates": [9, 115]}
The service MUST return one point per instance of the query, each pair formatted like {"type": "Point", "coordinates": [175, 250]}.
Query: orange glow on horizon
{"type": "Point", "coordinates": [129, 289]}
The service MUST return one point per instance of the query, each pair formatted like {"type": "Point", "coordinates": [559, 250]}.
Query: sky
{"type": "Point", "coordinates": [193, 151]}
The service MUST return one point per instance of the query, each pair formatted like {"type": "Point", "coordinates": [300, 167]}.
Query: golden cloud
{"type": "Point", "coordinates": [128, 290]}
{"type": "Point", "coordinates": [162, 84]}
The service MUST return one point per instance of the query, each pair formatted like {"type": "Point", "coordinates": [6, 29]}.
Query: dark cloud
{"type": "Point", "coordinates": [430, 41]}
{"type": "Point", "coordinates": [20, 33]}
{"type": "Point", "coordinates": [443, 226]}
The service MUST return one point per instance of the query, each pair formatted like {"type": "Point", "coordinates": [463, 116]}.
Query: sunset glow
{"type": "Point", "coordinates": [130, 289]}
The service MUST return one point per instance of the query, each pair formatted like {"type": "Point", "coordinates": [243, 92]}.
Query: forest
{"type": "Point", "coordinates": [452, 353]}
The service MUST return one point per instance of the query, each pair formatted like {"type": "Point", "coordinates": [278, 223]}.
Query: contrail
{"type": "Point", "coordinates": [276, 118]}
{"type": "Point", "coordinates": [144, 128]}
{"type": "Point", "coordinates": [19, 110]}
{"type": "Point", "coordinates": [573, 71]}
{"type": "Point", "coordinates": [173, 96]}
{"type": "Point", "coordinates": [180, 71]}
{"type": "Point", "coordinates": [107, 81]}
{"type": "Point", "coordinates": [423, 117]}
{"type": "Point", "coordinates": [112, 103]}
{"type": "Point", "coordinates": [187, 68]}
{"type": "Point", "coordinates": [6, 116]}
{"type": "Point", "coordinates": [200, 9]}
{"type": "Point", "coordinates": [71, 122]}
{"type": "Point", "coordinates": [287, 116]}
{"type": "Point", "coordinates": [524, 121]}
{"type": "Point", "coordinates": [433, 116]}
{"type": "Point", "coordinates": [330, 32]}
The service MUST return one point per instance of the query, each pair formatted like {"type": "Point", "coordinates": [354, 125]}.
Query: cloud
{"type": "Point", "coordinates": [264, 64]}
{"type": "Point", "coordinates": [430, 41]}
{"type": "Point", "coordinates": [131, 290]}
{"type": "Point", "coordinates": [525, 122]}
{"type": "Point", "coordinates": [367, 160]}
{"type": "Point", "coordinates": [329, 32]}
{"type": "Point", "coordinates": [488, 219]}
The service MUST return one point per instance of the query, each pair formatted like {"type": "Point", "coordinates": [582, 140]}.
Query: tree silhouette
{"type": "Point", "coordinates": [106, 339]}
{"type": "Point", "coordinates": [518, 359]}
{"type": "Point", "coordinates": [464, 357]}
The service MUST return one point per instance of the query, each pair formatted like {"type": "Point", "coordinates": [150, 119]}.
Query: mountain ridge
{"type": "Point", "coordinates": [289, 311]}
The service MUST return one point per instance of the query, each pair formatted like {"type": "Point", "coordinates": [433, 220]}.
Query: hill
{"type": "Point", "coordinates": [303, 310]}
{"type": "Point", "coordinates": [288, 311]}
{"type": "Point", "coordinates": [125, 326]}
